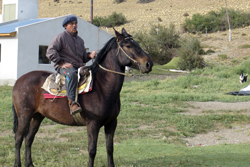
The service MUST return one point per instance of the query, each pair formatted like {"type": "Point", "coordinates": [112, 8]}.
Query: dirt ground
{"type": "Point", "coordinates": [239, 133]}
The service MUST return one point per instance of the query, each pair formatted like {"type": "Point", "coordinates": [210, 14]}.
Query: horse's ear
{"type": "Point", "coordinates": [124, 32]}
{"type": "Point", "coordinates": [118, 35]}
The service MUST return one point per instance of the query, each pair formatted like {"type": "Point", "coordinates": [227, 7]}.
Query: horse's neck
{"type": "Point", "coordinates": [111, 82]}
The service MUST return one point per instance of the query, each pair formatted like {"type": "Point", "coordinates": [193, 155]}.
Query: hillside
{"type": "Point", "coordinates": [141, 16]}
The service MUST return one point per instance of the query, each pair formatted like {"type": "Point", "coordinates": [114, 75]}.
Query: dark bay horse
{"type": "Point", "coordinates": [100, 107]}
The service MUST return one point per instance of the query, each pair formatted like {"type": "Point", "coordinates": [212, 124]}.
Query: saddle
{"type": "Point", "coordinates": [55, 83]}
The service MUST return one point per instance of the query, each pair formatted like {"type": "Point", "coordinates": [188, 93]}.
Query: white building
{"type": "Point", "coordinates": [24, 38]}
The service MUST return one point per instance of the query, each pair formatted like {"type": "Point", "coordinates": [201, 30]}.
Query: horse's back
{"type": "Point", "coordinates": [33, 77]}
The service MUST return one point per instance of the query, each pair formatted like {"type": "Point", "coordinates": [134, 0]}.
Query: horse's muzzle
{"type": "Point", "coordinates": [147, 67]}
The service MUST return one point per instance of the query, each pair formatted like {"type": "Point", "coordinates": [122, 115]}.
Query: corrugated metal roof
{"type": "Point", "coordinates": [8, 28]}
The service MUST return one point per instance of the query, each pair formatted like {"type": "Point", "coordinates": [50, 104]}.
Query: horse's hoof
{"type": "Point", "coordinates": [29, 165]}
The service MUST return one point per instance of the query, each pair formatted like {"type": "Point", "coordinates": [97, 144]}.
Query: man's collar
{"type": "Point", "coordinates": [73, 34]}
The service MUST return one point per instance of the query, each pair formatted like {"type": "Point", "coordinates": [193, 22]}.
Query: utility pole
{"type": "Point", "coordinates": [91, 12]}
{"type": "Point", "coordinates": [230, 36]}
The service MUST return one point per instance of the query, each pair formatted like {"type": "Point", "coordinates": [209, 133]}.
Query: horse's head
{"type": "Point", "coordinates": [131, 54]}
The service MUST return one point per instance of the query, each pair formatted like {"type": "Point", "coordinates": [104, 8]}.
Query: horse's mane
{"type": "Point", "coordinates": [102, 54]}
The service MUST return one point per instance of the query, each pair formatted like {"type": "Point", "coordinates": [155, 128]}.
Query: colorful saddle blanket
{"type": "Point", "coordinates": [54, 85]}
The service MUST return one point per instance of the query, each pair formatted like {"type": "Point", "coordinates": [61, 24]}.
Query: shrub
{"type": "Point", "coordinates": [245, 46]}
{"type": "Point", "coordinates": [216, 21]}
{"type": "Point", "coordinates": [185, 14]}
{"type": "Point", "coordinates": [112, 20]}
{"type": "Point", "coordinates": [209, 51]}
{"type": "Point", "coordinates": [119, 1]}
{"type": "Point", "coordinates": [145, 1]}
{"type": "Point", "coordinates": [190, 54]}
{"type": "Point", "coordinates": [222, 56]}
{"type": "Point", "coordinates": [159, 42]}
{"type": "Point", "coordinates": [242, 68]}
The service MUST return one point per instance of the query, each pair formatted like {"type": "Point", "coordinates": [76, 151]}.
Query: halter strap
{"type": "Point", "coordinates": [121, 73]}
{"type": "Point", "coordinates": [133, 60]}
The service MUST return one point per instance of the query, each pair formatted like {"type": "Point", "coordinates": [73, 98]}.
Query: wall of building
{"type": "Point", "coordinates": [8, 64]}
{"type": "Point", "coordinates": [27, 9]}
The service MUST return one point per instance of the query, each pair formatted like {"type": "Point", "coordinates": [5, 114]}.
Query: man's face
{"type": "Point", "coordinates": [71, 27]}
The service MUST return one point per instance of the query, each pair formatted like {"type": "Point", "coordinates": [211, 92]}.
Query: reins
{"type": "Point", "coordinates": [133, 60]}
{"type": "Point", "coordinates": [121, 73]}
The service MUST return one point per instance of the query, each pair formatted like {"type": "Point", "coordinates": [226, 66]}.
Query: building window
{"type": "Point", "coordinates": [42, 55]}
{"type": "Point", "coordinates": [9, 12]}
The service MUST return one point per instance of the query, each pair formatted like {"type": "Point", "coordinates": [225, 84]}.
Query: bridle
{"type": "Point", "coordinates": [133, 60]}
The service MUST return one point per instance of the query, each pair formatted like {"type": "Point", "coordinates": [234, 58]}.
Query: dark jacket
{"type": "Point", "coordinates": [67, 48]}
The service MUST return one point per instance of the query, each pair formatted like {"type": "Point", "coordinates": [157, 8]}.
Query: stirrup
{"type": "Point", "coordinates": [78, 110]}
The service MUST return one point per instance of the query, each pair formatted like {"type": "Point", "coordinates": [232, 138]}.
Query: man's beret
{"type": "Point", "coordinates": [68, 20]}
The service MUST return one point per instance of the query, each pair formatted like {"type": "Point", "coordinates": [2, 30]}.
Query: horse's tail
{"type": "Point", "coordinates": [15, 123]}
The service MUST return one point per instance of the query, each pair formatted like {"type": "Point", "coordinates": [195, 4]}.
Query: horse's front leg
{"type": "Point", "coordinates": [93, 131]}
{"type": "Point", "coordinates": [109, 134]}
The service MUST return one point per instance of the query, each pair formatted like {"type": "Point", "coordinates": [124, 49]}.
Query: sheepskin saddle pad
{"type": "Point", "coordinates": [55, 83]}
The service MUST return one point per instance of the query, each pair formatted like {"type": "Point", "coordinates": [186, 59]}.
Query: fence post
{"type": "Point", "coordinates": [230, 36]}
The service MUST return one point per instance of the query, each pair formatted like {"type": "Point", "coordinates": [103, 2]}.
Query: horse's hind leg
{"type": "Point", "coordinates": [109, 134]}
{"type": "Point", "coordinates": [23, 124]}
{"type": "Point", "coordinates": [33, 128]}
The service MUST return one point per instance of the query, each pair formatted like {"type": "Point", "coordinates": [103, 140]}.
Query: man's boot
{"type": "Point", "coordinates": [74, 108]}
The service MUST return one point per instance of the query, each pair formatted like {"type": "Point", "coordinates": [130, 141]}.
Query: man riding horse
{"type": "Point", "coordinates": [68, 52]}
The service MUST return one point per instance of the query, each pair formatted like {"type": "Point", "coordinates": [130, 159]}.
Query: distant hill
{"type": "Point", "coordinates": [140, 16]}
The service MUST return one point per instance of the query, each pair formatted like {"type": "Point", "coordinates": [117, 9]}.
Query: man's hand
{"type": "Point", "coordinates": [66, 65]}
{"type": "Point", "coordinates": [92, 55]}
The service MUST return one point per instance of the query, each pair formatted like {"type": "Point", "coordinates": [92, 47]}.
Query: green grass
{"type": "Point", "coordinates": [222, 56]}
{"type": "Point", "coordinates": [151, 127]}
{"type": "Point", "coordinates": [133, 152]}
{"type": "Point", "coordinates": [245, 46]}
{"type": "Point", "coordinates": [172, 64]}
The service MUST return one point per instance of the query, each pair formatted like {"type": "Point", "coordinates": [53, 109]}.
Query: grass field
{"type": "Point", "coordinates": [151, 126]}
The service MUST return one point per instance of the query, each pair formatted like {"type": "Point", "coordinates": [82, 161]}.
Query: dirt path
{"type": "Point", "coordinates": [239, 133]}
{"type": "Point", "coordinates": [198, 107]}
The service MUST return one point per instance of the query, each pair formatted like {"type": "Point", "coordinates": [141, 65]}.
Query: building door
{"type": "Point", "coordinates": [9, 12]}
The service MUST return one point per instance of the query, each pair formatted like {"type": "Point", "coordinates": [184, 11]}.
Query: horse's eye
{"type": "Point", "coordinates": [128, 46]}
